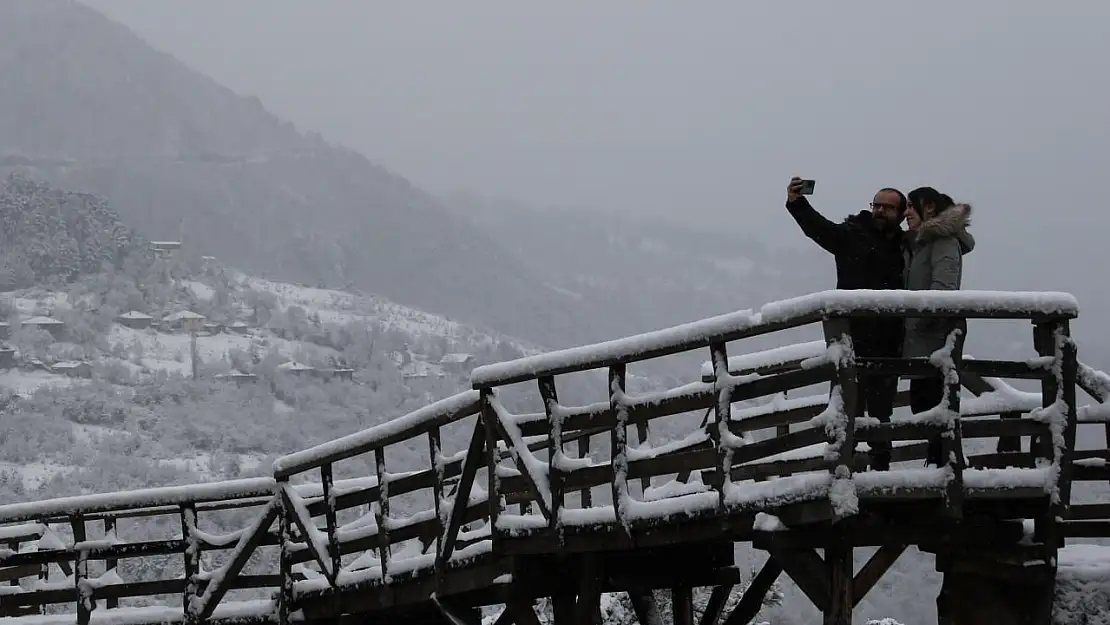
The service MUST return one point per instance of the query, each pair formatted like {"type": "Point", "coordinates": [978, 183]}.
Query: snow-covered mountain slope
{"type": "Point", "coordinates": [135, 397]}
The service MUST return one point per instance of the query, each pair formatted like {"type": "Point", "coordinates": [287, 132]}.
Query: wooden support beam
{"type": "Point", "coordinates": [879, 563]}
{"type": "Point", "coordinates": [682, 605]}
{"type": "Point", "coordinates": [563, 609]}
{"type": "Point", "coordinates": [716, 604]}
{"type": "Point", "coordinates": [808, 571]}
{"type": "Point", "coordinates": [645, 607]}
{"type": "Point", "coordinates": [522, 610]}
{"type": "Point", "coordinates": [474, 457]}
{"type": "Point", "coordinates": [838, 559]}
{"type": "Point", "coordinates": [248, 542]}
{"type": "Point", "coordinates": [749, 604]}
{"type": "Point", "coordinates": [590, 582]}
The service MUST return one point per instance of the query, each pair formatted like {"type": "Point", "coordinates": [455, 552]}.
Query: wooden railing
{"type": "Point", "coordinates": [391, 507]}
{"type": "Point", "coordinates": [727, 452]}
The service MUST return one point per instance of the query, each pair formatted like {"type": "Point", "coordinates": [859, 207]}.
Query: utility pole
{"type": "Point", "coordinates": [193, 326]}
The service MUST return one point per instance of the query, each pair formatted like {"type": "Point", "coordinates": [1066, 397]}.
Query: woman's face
{"type": "Point", "coordinates": [913, 219]}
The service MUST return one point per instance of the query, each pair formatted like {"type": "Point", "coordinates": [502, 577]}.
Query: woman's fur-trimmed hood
{"type": "Point", "coordinates": [950, 223]}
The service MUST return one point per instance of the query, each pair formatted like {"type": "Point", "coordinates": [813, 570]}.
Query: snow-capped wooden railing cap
{"type": "Point", "coordinates": [413, 424]}
{"type": "Point", "coordinates": [781, 315]}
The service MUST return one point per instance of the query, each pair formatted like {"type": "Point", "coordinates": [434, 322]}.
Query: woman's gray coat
{"type": "Point", "coordinates": [934, 260]}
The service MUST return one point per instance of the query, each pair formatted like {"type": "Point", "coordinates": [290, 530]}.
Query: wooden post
{"type": "Point", "coordinates": [85, 603]}
{"type": "Point", "coordinates": [619, 441]}
{"type": "Point", "coordinates": [839, 329]}
{"type": "Point", "coordinates": [327, 480]}
{"type": "Point", "coordinates": [381, 517]}
{"type": "Point", "coordinates": [584, 452]}
{"type": "Point", "coordinates": [838, 558]}
{"type": "Point", "coordinates": [952, 444]}
{"type": "Point", "coordinates": [188, 515]}
{"type": "Point", "coordinates": [486, 419]}
{"type": "Point", "coordinates": [1045, 529]}
{"type": "Point", "coordinates": [435, 451]}
{"type": "Point", "coordinates": [1067, 352]}
{"type": "Point", "coordinates": [682, 605]}
{"type": "Point", "coordinates": [110, 563]}
{"type": "Point", "coordinates": [285, 559]}
{"type": "Point", "coordinates": [554, 450]}
{"type": "Point", "coordinates": [722, 413]}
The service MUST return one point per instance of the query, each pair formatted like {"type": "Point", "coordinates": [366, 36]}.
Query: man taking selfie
{"type": "Point", "coordinates": [867, 248]}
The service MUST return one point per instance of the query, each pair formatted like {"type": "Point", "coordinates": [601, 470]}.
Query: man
{"type": "Point", "coordinates": [867, 248]}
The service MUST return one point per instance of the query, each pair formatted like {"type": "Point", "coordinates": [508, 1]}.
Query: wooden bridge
{"type": "Point", "coordinates": [388, 524]}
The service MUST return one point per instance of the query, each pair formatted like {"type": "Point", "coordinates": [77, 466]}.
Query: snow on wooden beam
{"type": "Point", "coordinates": [767, 358]}
{"type": "Point", "coordinates": [142, 498]}
{"type": "Point", "coordinates": [776, 316]}
{"type": "Point", "coordinates": [415, 423]}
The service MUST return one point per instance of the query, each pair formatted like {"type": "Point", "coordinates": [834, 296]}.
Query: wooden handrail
{"type": "Point", "coordinates": [774, 317]}
{"type": "Point", "coordinates": [416, 423]}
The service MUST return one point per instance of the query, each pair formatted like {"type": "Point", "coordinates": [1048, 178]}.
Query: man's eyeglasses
{"type": "Point", "coordinates": [879, 205]}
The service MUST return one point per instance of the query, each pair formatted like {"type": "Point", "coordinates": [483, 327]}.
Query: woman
{"type": "Point", "coordinates": [935, 245]}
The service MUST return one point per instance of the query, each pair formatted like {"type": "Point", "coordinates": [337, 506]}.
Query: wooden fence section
{"type": "Point", "coordinates": [726, 454]}
{"type": "Point", "coordinates": [306, 545]}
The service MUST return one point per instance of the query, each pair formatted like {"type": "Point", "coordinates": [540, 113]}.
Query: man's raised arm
{"type": "Point", "coordinates": [829, 235]}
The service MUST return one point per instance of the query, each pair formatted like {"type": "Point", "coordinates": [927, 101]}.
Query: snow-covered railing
{"type": "Point", "coordinates": [778, 316]}
{"type": "Point", "coordinates": [64, 540]}
{"type": "Point", "coordinates": [380, 543]}
{"type": "Point", "coordinates": [723, 459]}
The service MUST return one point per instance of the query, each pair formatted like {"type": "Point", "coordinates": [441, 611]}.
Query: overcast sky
{"type": "Point", "coordinates": [700, 111]}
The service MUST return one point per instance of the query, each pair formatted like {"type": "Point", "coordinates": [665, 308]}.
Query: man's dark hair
{"type": "Point", "coordinates": [901, 198]}
{"type": "Point", "coordinates": [925, 196]}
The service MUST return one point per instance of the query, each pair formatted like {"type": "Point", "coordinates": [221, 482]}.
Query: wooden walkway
{"type": "Point", "coordinates": [388, 523]}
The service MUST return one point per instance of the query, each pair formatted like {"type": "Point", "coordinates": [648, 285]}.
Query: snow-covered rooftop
{"type": "Point", "coordinates": [183, 315]}
{"type": "Point", "coordinates": [42, 321]}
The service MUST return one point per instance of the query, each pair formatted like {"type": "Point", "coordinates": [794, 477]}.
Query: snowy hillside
{"type": "Point", "coordinates": [280, 366]}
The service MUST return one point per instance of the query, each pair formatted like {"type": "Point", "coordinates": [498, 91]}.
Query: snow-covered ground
{"type": "Point", "coordinates": [147, 352]}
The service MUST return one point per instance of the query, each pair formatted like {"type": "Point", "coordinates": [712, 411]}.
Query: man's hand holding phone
{"type": "Point", "coordinates": [799, 187]}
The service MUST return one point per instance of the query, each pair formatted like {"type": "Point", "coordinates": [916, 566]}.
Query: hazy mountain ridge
{"type": "Point", "coordinates": [89, 106]}
{"type": "Point", "coordinates": [649, 272]}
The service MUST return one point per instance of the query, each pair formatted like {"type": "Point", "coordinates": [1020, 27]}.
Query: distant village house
{"type": "Point", "coordinates": [73, 369]}
{"type": "Point", "coordinates": [459, 363]}
{"type": "Point", "coordinates": [7, 357]}
{"type": "Point", "coordinates": [135, 320]}
{"type": "Point", "coordinates": [183, 320]}
{"type": "Point", "coordinates": [295, 368]}
{"type": "Point", "coordinates": [165, 249]}
{"type": "Point", "coordinates": [53, 326]}
{"type": "Point", "coordinates": [238, 377]}
{"type": "Point", "coordinates": [239, 327]}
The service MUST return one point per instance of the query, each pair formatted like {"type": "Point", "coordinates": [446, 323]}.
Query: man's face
{"type": "Point", "coordinates": [884, 208]}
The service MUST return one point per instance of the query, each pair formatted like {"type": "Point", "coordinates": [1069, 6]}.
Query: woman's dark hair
{"type": "Point", "coordinates": [926, 196]}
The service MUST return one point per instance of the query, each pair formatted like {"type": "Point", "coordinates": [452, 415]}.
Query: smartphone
{"type": "Point", "coordinates": [807, 187]}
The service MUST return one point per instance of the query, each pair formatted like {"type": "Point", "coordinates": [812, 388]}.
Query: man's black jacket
{"type": "Point", "coordinates": [867, 257]}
